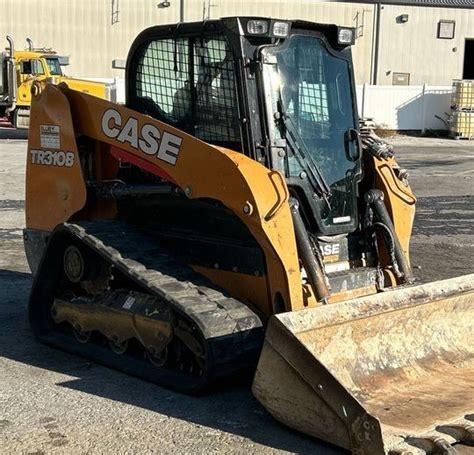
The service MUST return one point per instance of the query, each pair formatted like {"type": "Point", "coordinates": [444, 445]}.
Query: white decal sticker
{"type": "Point", "coordinates": [148, 138]}
{"type": "Point", "coordinates": [50, 136]}
{"type": "Point", "coordinates": [49, 158]}
{"type": "Point", "coordinates": [128, 302]}
{"type": "Point", "coordinates": [341, 219]}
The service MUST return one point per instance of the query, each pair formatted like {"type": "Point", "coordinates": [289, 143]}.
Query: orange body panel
{"type": "Point", "coordinates": [398, 197]}
{"type": "Point", "coordinates": [400, 203]}
{"type": "Point", "coordinates": [55, 190]}
{"type": "Point", "coordinates": [257, 195]}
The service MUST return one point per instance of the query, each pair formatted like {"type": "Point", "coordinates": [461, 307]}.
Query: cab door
{"type": "Point", "coordinates": [30, 70]}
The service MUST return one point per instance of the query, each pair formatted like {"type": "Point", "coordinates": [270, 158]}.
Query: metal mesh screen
{"type": "Point", "coordinates": [199, 98]}
{"type": "Point", "coordinates": [163, 79]}
{"type": "Point", "coordinates": [305, 90]}
{"type": "Point", "coordinates": [216, 103]}
{"type": "Point", "coordinates": [313, 93]}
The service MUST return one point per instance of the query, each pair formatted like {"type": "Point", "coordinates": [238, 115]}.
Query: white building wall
{"type": "Point", "coordinates": [83, 29]}
{"type": "Point", "coordinates": [413, 47]}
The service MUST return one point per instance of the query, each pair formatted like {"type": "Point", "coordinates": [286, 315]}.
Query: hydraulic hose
{"type": "Point", "coordinates": [117, 190]}
{"type": "Point", "coordinates": [375, 199]}
{"type": "Point", "coordinates": [313, 268]}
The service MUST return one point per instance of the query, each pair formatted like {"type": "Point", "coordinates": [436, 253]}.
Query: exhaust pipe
{"type": "Point", "coordinates": [30, 43]}
{"type": "Point", "coordinates": [11, 46]}
{"type": "Point", "coordinates": [11, 76]}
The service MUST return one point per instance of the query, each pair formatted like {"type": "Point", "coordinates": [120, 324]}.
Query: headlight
{"type": "Point", "coordinates": [281, 29]}
{"type": "Point", "coordinates": [257, 27]}
{"type": "Point", "coordinates": [345, 36]}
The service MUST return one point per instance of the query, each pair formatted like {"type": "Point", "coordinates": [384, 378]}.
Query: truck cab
{"type": "Point", "coordinates": [20, 69]}
{"type": "Point", "coordinates": [34, 66]}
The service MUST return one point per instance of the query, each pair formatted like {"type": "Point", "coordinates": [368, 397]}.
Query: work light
{"type": "Point", "coordinates": [345, 35]}
{"type": "Point", "coordinates": [257, 27]}
{"type": "Point", "coordinates": [281, 29]}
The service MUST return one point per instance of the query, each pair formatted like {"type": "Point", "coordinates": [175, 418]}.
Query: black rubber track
{"type": "Point", "coordinates": [231, 333]}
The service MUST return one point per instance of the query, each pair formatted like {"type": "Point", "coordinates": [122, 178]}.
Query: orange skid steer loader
{"type": "Point", "coordinates": [231, 213]}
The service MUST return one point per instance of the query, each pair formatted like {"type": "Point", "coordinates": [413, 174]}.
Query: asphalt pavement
{"type": "Point", "coordinates": [53, 402]}
{"type": "Point", "coordinates": [441, 173]}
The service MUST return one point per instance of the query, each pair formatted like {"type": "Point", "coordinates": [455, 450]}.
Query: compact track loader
{"type": "Point", "coordinates": [234, 194]}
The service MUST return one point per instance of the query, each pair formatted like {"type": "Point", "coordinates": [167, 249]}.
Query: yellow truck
{"type": "Point", "coordinates": [19, 69]}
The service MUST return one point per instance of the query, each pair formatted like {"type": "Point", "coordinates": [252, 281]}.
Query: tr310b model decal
{"type": "Point", "coordinates": [50, 158]}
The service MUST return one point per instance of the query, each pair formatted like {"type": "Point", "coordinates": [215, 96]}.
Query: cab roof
{"type": "Point", "coordinates": [34, 54]}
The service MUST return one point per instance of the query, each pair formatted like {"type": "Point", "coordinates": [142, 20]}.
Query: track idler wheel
{"type": "Point", "coordinates": [81, 335]}
{"type": "Point", "coordinates": [158, 359]}
{"type": "Point", "coordinates": [117, 347]}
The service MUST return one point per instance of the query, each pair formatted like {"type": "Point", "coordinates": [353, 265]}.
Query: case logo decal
{"type": "Point", "coordinates": [149, 139]}
{"type": "Point", "coordinates": [329, 249]}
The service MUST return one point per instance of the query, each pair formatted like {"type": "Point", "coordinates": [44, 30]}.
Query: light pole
{"type": "Point", "coordinates": [167, 4]}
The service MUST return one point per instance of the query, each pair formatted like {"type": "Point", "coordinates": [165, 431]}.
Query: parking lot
{"type": "Point", "coordinates": [52, 402]}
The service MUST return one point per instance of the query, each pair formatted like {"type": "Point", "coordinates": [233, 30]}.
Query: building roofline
{"type": "Point", "coordinates": [462, 4]}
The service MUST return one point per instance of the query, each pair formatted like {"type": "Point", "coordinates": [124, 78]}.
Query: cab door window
{"type": "Point", "coordinates": [32, 67]}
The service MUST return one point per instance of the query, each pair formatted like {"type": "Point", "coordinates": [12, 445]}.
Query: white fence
{"type": "Point", "coordinates": [405, 107]}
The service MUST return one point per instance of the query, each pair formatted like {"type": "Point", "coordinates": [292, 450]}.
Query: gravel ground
{"type": "Point", "coordinates": [52, 402]}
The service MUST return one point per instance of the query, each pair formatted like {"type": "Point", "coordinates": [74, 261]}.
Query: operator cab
{"type": "Point", "coordinates": [281, 92]}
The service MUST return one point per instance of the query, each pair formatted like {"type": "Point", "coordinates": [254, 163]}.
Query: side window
{"type": "Point", "coordinates": [305, 89]}
{"type": "Point", "coordinates": [216, 103]}
{"type": "Point", "coordinates": [199, 98]}
{"type": "Point", "coordinates": [37, 66]}
{"type": "Point", "coordinates": [33, 67]}
{"type": "Point", "coordinates": [163, 80]}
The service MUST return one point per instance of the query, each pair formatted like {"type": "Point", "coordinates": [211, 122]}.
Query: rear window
{"type": "Point", "coordinates": [189, 83]}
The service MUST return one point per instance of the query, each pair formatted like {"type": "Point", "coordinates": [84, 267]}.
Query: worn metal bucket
{"type": "Point", "coordinates": [389, 373]}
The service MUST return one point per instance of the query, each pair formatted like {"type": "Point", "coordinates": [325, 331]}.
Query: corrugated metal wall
{"type": "Point", "coordinates": [413, 47]}
{"type": "Point", "coordinates": [349, 14]}
{"type": "Point", "coordinates": [84, 29]}
{"type": "Point", "coordinates": [90, 33]}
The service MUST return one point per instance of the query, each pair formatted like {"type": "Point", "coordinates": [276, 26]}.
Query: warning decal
{"type": "Point", "coordinates": [50, 136]}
